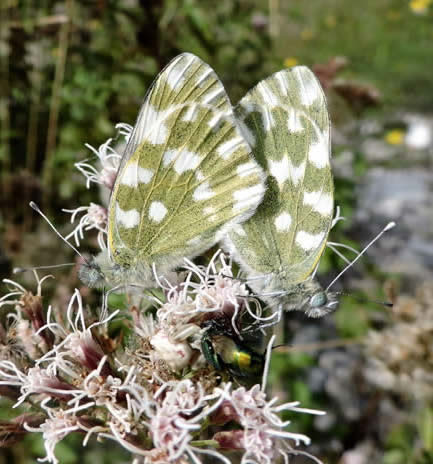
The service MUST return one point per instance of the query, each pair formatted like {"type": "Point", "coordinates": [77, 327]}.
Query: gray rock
{"type": "Point", "coordinates": [403, 196]}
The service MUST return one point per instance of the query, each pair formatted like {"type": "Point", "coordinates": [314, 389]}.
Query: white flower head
{"type": "Point", "coordinates": [176, 355]}
{"type": "Point", "coordinates": [263, 437]}
{"type": "Point", "coordinates": [206, 293]}
{"type": "Point", "coordinates": [173, 420]}
{"type": "Point", "coordinates": [54, 429]}
{"type": "Point", "coordinates": [109, 165]}
{"type": "Point", "coordinates": [94, 217]}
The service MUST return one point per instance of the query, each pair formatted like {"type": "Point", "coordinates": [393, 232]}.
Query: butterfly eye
{"type": "Point", "coordinates": [319, 299]}
{"type": "Point", "coordinates": [91, 275]}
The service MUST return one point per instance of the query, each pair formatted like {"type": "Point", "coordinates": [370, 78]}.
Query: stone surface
{"type": "Point", "coordinates": [404, 196]}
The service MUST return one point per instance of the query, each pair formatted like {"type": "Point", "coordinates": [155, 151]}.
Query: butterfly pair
{"type": "Point", "coordinates": [188, 180]}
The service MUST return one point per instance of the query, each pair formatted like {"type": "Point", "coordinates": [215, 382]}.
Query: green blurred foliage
{"type": "Point", "coordinates": [115, 48]}
{"type": "Point", "coordinates": [113, 51]}
{"type": "Point", "coordinates": [384, 41]}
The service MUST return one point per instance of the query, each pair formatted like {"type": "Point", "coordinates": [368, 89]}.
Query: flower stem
{"type": "Point", "coordinates": [204, 443]}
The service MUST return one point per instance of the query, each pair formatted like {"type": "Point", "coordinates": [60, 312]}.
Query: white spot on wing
{"type": "Point", "coordinates": [294, 123]}
{"type": "Point", "coordinates": [296, 172]}
{"type": "Point", "coordinates": [202, 79]}
{"type": "Point", "coordinates": [226, 149]}
{"type": "Point", "coordinates": [284, 169]}
{"type": "Point", "coordinates": [247, 133]}
{"type": "Point", "coordinates": [248, 197]}
{"type": "Point", "coordinates": [176, 73]}
{"type": "Point", "coordinates": [168, 157]}
{"type": "Point", "coordinates": [309, 241]}
{"type": "Point", "coordinates": [203, 192]}
{"type": "Point", "coordinates": [216, 120]}
{"type": "Point", "coordinates": [320, 202]}
{"type": "Point", "coordinates": [129, 218]}
{"type": "Point", "coordinates": [213, 95]}
{"type": "Point", "coordinates": [309, 88]}
{"type": "Point", "coordinates": [268, 120]}
{"type": "Point", "coordinates": [268, 96]}
{"type": "Point", "coordinates": [184, 160]}
{"type": "Point", "coordinates": [282, 82]}
{"type": "Point", "coordinates": [190, 114]}
{"type": "Point", "coordinates": [319, 154]}
{"type": "Point", "coordinates": [279, 169]}
{"type": "Point", "coordinates": [155, 130]}
{"type": "Point", "coordinates": [134, 174]}
{"type": "Point", "coordinates": [157, 211]}
{"type": "Point", "coordinates": [246, 169]}
{"type": "Point", "coordinates": [283, 222]}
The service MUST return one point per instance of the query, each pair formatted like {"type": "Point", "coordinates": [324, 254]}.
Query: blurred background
{"type": "Point", "coordinates": [70, 70]}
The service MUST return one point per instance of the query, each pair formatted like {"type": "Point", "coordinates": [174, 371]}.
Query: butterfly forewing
{"type": "Point", "coordinates": [191, 177]}
{"type": "Point", "coordinates": [286, 122]}
{"type": "Point", "coordinates": [186, 176]}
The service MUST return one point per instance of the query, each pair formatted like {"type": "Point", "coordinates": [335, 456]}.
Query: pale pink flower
{"type": "Point", "coordinates": [54, 429]}
{"type": "Point", "coordinates": [94, 217]}
{"type": "Point", "coordinates": [264, 437]}
{"type": "Point", "coordinates": [34, 381]}
{"type": "Point", "coordinates": [176, 355]}
{"type": "Point", "coordinates": [33, 344]}
{"type": "Point", "coordinates": [178, 415]}
{"type": "Point", "coordinates": [109, 160]}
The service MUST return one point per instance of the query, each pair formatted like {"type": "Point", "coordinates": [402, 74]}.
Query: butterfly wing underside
{"type": "Point", "coordinates": [285, 120]}
{"type": "Point", "coordinates": [186, 79]}
{"type": "Point", "coordinates": [187, 175]}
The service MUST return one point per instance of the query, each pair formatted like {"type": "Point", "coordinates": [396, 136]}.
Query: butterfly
{"type": "Point", "coordinates": [186, 177]}
{"type": "Point", "coordinates": [286, 122]}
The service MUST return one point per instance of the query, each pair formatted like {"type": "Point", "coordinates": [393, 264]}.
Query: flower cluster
{"type": "Point", "coordinates": [154, 394]}
{"type": "Point", "coordinates": [162, 387]}
{"type": "Point", "coordinates": [400, 357]}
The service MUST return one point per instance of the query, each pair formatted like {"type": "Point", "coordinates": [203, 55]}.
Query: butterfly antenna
{"type": "Point", "coordinates": [389, 226]}
{"type": "Point", "coordinates": [35, 207]}
{"type": "Point", "coordinates": [388, 304]}
{"type": "Point", "coordinates": [18, 270]}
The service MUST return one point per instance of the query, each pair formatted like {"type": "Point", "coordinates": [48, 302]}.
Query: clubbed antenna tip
{"type": "Point", "coordinates": [389, 226]}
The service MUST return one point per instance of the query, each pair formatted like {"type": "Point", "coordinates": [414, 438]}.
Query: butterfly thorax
{"type": "Point", "coordinates": [308, 295]}
{"type": "Point", "coordinates": [102, 271]}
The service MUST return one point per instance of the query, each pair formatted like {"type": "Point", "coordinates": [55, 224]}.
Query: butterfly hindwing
{"type": "Point", "coordinates": [285, 120]}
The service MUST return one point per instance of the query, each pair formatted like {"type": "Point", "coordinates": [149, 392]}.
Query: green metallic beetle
{"type": "Point", "coordinates": [223, 349]}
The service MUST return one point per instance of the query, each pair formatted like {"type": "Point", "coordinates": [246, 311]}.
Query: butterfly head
{"type": "Point", "coordinates": [321, 303]}
{"type": "Point", "coordinates": [310, 297]}
{"type": "Point", "coordinates": [91, 275]}
{"type": "Point", "coordinates": [101, 271]}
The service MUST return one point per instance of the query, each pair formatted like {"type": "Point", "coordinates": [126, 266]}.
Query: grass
{"type": "Point", "coordinates": [386, 43]}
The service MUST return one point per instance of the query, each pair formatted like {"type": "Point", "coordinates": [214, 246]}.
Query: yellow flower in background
{"type": "Point", "coordinates": [290, 62]}
{"type": "Point", "coordinates": [307, 34]}
{"type": "Point", "coordinates": [395, 137]}
{"type": "Point", "coordinates": [419, 6]}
